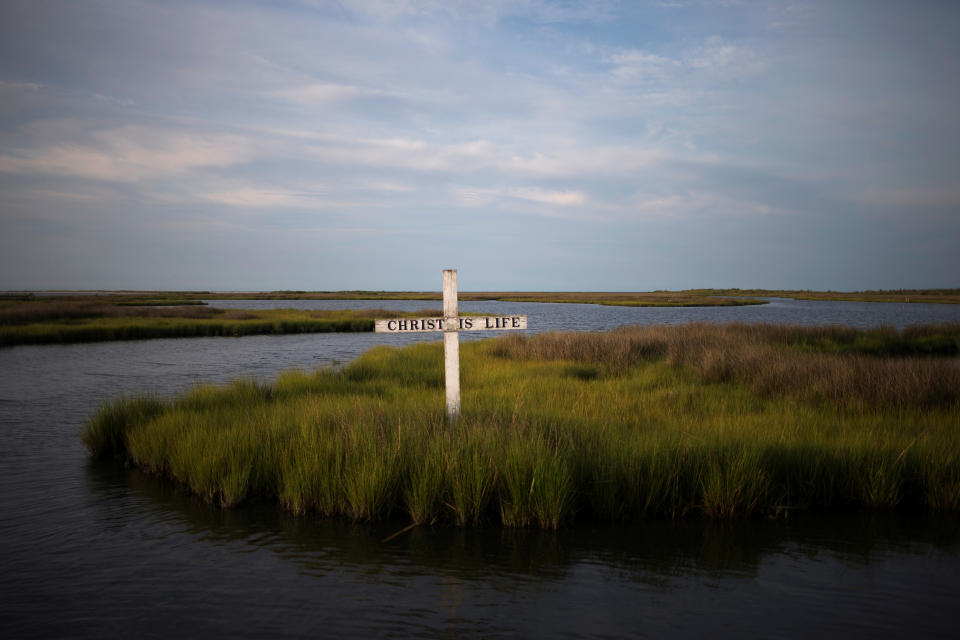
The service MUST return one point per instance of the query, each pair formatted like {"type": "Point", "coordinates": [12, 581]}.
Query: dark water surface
{"type": "Point", "coordinates": [594, 317]}
{"type": "Point", "coordinates": [95, 550]}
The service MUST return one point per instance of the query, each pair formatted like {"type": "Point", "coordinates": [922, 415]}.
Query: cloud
{"type": "Point", "coordinates": [19, 96]}
{"type": "Point", "coordinates": [724, 60]}
{"type": "Point", "coordinates": [715, 59]}
{"type": "Point", "coordinates": [488, 13]}
{"type": "Point", "coordinates": [15, 88]}
{"type": "Point", "coordinates": [303, 195]}
{"type": "Point", "coordinates": [129, 153]}
{"type": "Point", "coordinates": [556, 160]}
{"type": "Point", "coordinates": [940, 196]}
{"type": "Point", "coordinates": [783, 15]}
{"type": "Point", "coordinates": [405, 153]}
{"type": "Point", "coordinates": [69, 196]}
{"type": "Point", "coordinates": [479, 197]}
{"type": "Point", "coordinates": [632, 65]}
{"type": "Point", "coordinates": [325, 93]}
{"type": "Point", "coordinates": [697, 203]}
{"type": "Point", "coordinates": [546, 196]}
{"type": "Point", "coordinates": [263, 198]}
{"type": "Point", "coordinates": [576, 160]}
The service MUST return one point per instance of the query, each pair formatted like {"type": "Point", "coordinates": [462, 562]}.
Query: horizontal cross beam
{"type": "Point", "coordinates": [461, 323]}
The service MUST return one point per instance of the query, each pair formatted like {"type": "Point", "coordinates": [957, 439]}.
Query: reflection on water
{"type": "Point", "coordinates": [92, 550]}
{"type": "Point", "coordinates": [651, 551]}
{"type": "Point", "coordinates": [257, 570]}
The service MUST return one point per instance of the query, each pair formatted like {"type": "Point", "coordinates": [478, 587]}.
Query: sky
{"type": "Point", "coordinates": [530, 144]}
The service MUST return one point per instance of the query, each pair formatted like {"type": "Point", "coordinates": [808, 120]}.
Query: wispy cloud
{"type": "Point", "coordinates": [722, 59]}
{"type": "Point", "coordinates": [555, 160]}
{"type": "Point", "coordinates": [309, 195]}
{"type": "Point", "coordinates": [478, 197]}
{"type": "Point", "coordinates": [325, 93]}
{"type": "Point", "coordinates": [15, 88]}
{"type": "Point", "coordinates": [701, 204]}
{"type": "Point", "coordinates": [715, 59]}
{"type": "Point", "coordinates": [129, 153]}
{"type": "Point", "coordinates": [936, 196]}
{"type": "Point", "coordinates": [631, 65]}
{"type": "Point", "coordinates": [488, 13]}
{"type": "Point", "coordinates": [253, 197]}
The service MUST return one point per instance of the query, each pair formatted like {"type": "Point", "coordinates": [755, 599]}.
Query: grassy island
{"type": "Point", "coordinates": [93, 321]}
{"type": "Point", "coordinates": [719, 421]}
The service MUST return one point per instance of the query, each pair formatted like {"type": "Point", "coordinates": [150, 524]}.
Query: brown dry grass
{"type": "Point", "coordinates": [772, 359]}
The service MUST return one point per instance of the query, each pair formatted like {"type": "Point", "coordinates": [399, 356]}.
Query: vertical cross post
{"type": "Point", "coordinates": [451, 343]}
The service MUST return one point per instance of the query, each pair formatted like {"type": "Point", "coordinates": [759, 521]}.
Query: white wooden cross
{"type": "Point", "coordinates": [451, 324]}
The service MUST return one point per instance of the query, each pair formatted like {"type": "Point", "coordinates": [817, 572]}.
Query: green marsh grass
{"type": "Point", "coordinates": [60, 322]}
{"type": "Point", "coordinates": [723, 422]}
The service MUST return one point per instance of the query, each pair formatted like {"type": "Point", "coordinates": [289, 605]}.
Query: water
{"type": "Point", "coordinates": [593, 317]}
{"type": "Point", "coordinates": [94, 550]}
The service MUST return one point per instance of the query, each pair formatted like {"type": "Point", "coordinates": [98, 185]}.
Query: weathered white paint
{"type": "Point", "coordinates": [451, 361]}
{"type": "Point", "coordinates": [451, 343]}
{"type": "Point", "coordinates": [451, 324]}
{"type": "Point", "coordinates": [461, 323]}
{"type": "Point", "coordinates": [450, 293]}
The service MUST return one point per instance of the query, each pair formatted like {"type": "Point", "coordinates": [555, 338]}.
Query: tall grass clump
{"type": "Point", "coordinates": [104, 434]}
{"type": "Point", "coordinates": [733, 481]}
{"type": "Point", "coordinates": [537, 483]}
{"type": "Point", "coordinates": [721, 422]}
{"type": "Point", "coordinates": [471, 473]}
{"type": "Point", "coordinates": [423, 485]}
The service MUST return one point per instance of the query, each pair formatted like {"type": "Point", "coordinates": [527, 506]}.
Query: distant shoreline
{"type": "Point", "coordinates": [687, 297]}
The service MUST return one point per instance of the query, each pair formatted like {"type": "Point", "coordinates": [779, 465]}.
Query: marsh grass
{"type": "Point", "coordinates": [59, 322]}
{"type": "Point", "coordinates": [718, 421]}
{"type": "Point", "coordinates": [901, 296]}
{"type": "Point", "coordinates": [840, 365]}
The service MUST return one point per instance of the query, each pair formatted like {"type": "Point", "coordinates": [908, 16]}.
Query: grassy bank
{"type": "Point", "coordinates": [720, 421]}
{"type": "Point", "coordinates": [652, 299]}
{"type": "Point", "coordinates": [686, 298]}
{"type": "Point", "coordinates": [898, 296]}
{"type": "Point", "coordinates": [60, 322]}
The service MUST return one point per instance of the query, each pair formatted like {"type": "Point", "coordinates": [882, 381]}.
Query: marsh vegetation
{"type": "Point", "coordinates": [720, 421]}
{"type": "Point", "coordinates": [900, 296]}
{"type": "Point", "coordinates": [91, 320]}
